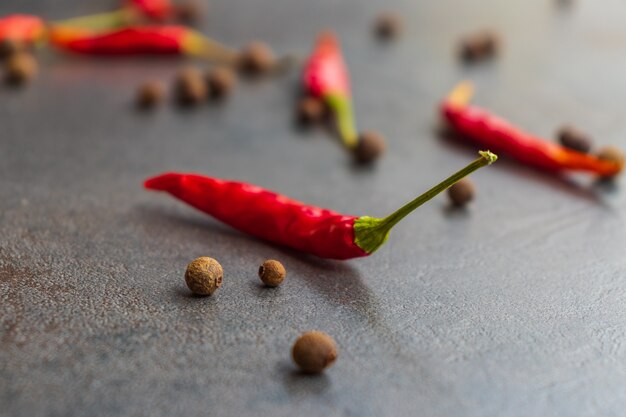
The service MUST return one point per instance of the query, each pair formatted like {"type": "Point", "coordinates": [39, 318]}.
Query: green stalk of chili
{"type": "Point", "coordinates": [326, 76]}
{"type": "Point", "coordinates": [138, 40]}
{"type": "Point", "coordinates": [279, 219]}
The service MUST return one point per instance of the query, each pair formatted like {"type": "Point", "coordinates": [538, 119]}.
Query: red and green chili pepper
{"type": "Point", "coordinates": [279, 219]}
{"type": "Point", "coordinates": [151, 40]}
{"type": "Point", "coordinates": [490, 131]}
{"type": "Point", "coordinates": [326, 76]}
{"type": "Point", "coordinates": [22, 28]}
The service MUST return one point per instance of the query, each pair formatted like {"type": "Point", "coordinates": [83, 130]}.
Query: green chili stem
{"type": "Point", "coordinates": [370, 232]}
{"type": "Point", "coordinates": [108, 20]}
{"type": "Point", "coordinates": [342, 107]}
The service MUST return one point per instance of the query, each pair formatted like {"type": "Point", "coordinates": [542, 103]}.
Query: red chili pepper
{"type": "Point", "coordinates": [288, 222]}
{"type": "Point", "coordinates": [495, 133]}
{"type": "Point", "coordinates": [25, 29]}
{"type": "Point", "coordinates": [153, 9]}
{"type": "Point", "coordinates": [326, 76]}
{"type": "Point", "coordinates": [137, 40]}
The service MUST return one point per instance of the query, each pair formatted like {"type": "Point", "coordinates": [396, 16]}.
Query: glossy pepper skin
{"type": "Point", "coordinates": [326, 76]}
{"type": "Point", "coordinates": [25, 29]}
{"type": "Point", "coordinates": [490, 131]}
{"type": "Point", "coordinates": [282, 220]}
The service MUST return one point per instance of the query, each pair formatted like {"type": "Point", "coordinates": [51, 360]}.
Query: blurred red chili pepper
{"type": "Point", "coordinates": [25, 29]}
{"type": "Point", "coordinates": [153, 9]}
{"type": "Point", "coordinates": [495, 133]}
{"type": "Point", "coordinates": [326, 76]}
{"type": "Point", "coordinates": [279, 219]}
{"type": "Point", "coordinates": [140, 40]}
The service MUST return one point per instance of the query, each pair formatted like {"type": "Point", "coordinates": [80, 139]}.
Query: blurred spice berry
{"type": "Point", "coordinates": [462, 192]}
{"type": "Point", "coordinates": [204, 275]}
{"type": "Point", "coordinates": [314, 351]}
{"type": "Point", "coordinates": [150, 94]}
{"type": "Point", "coordinates": [20, 68]}
{"type": "Point", "coordinates": [613, 154]}
{"type": "Point", "coordinates": [221, 81]}
{"type": "Point", "coordinates": [370, 146]}
{"type": "Point", "coordinates": [479, 46]}
{"type": "Point", "coordinates": [311, 110]}
{"type": "Point", "coordinates": [8, 47]}
{"type": "Point", "coordinates": [190, 11]}
{"type": "Point", "coordinates": [256, 58]}
{"type": "Point", "coordinates": [272, 273]}
{"type": "Point", "coordinates": [190, 87]}
{"type": "Point", "coordinates": [572, 138]}
{"type": "Point", "coordinates": [388, 26]}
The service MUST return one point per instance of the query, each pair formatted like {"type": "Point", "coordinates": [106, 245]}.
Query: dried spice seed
{"type": "Point", "coordinates": [272, 273]}
{"type": "Point", "coordinates": [20, 68]}
{"type": "Point", "coordinates": [150, 94]}
{"type": "Point", "coordinates": [479, 46]}
{"type": "Point", "coordinates": [311, 110]}
{"type": "Point", "coordinates": [256, 58]}
{"type": "Point", "coordinates": [388, 26]}
{"type": "Point", "coordinates": [370, 146]}
{"type": "Point", "coordinates": [8, 47]}
{"type": "Point", "coordinates": [190, 11]}
{"type": "Point", "coordinates": [572, 138]}
{"type": "Point", "coordinates": [204, 275]}
{"type": "Point", "coordinates": [190, 87]}
{"type": "Point", "coordinates": [462, 192]}
{"type": "Point", "coordinates": [314, 351]}
{"type": "Point", "coordinates": [221, 81]}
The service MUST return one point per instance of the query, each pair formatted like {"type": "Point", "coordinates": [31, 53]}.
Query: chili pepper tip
{"type": "Point", "coordinates": [162, 182]}
{"type": "Point", "coordinates": [461, 94]}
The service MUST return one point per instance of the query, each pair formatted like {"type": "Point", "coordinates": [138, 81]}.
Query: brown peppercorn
{"type": "Point", "coordinates": [190, 87]}
{"type": "Point", "coordinates": [611, 153]}
{"type": "Point", "coordinates": [190, 11]}
{"type": "Point", "coordinates": [314, 351]}
{"type": "Point", "coordinates": [256, 58]}
{"type": "Point", "coordinates": [20, 68]}
{"type": "Point", "coordinates": [479, 46]}
{"type": "Point", "coordinates": [204, 276]}
{"type": "Point", "coordinates": [150, 94]}
{"type": "Point", "coordinates": [370, 146]}
{"type": "Point", "coordinates": [572, 138]}
{"type": "Point", "coordinates": [462, 192]}
{"type": "Point", "coordinates": [8, 47]}
{"type": "Point", "coordinates": [221, 81]}
{"type": "Point", "coordinates": [388, 26]}
{"type": "Point", "coordinates": [272, 273]}
{"type": "Point", "coordinates": [311, 110]}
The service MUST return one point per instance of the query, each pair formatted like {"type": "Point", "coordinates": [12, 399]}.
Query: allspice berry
{"type": "Point", "coordinates": [370, 146]}
{"type": "Point", "coordinates": [256, 58]}
{"type": "Point", "coordinates": [20, 68]}
{"type": "Point", "coordinates": [190, 87]}
{"type": "Point", "coordinates": [189, 11]}
{"type": "Point", "coordinates": [272, 273]}
{"type": "Point", "coordinates": [611, 153]}
{"type": "Point", "coordinates": [388, 26]}
{"type": "Point", "coordinates": [462, 192]}
{"type": "Point", "coordinates": [572, 138]}
{"type": "Point", "coordinates": [150, 94]}
{"type": "Point", "coordinates": [221, 81]}
{"type": "Point", "coordinates": [204, 276]}
{"type": "Point", "coordinates": [310, 111]}
{"type": "Point", "coordinates": [314, 351]}
{"type": "Point", "coordinates": [479, 46]}
{"type": "Point", "coordinates": [8, 47]}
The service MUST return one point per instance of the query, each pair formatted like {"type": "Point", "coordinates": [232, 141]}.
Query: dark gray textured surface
{"type": "Point", "coordinates": [513, 308]}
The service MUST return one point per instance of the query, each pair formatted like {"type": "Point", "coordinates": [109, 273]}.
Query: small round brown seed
{"type": "Point", "coordinates": [204, 276]}
{"type": "Point", "coordinates": [479, 46]}
{"type": "Point", "coordinates": [190, 86]}
{"type": "Point", "coordinates": [20, 68]}
{"type": "Point", "coordinates": [221, 81]}
{"type": "Point", "coordinates": [388, 26]}
{"type": "Point", "coordinates": [190, 11]}
{"type": "Point", "coordinates": [150, 94]}
{"type": "Point", "coordinates": [572, 138]}
{"type": "Point", "coordinates": [311, 110]}
{"type": "Point", "coordinates": [8, 47]}
{"type": "Point", "coordinates": [462, 192]}
{"type": "Point", "coordinates": [370, 146]}
{"type": "Point", "coordinates": [256, 58]}
{"type": "Point", "coordinates": [314, 351]}
{"type": "Point", "coordinates": [272, 273]}
{"type": "Point", "coordinates": [613, 154]}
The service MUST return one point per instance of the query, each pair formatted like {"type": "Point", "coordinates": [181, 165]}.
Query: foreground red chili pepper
{"type": "Point", "coordinates": [326, 76]}
{"type": "Point", "coordinates": [288, 222]}
{"type": "Point", "coordinates": [22, 28]}
{"type": "Point", "coordinates": [137, 40]}
{"type": "Point", "coordinates": [490, 131]}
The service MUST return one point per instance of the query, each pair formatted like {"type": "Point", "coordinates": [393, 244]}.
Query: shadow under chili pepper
{"type": "Point", "coordinates": [591, 193]}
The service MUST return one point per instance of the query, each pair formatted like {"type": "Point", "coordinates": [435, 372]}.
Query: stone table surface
{"type": "Point", "coordinates": [514, 307]}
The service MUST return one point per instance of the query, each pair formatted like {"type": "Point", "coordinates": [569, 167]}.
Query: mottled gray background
{"type": "Point", "coordinates": [514, 307]}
